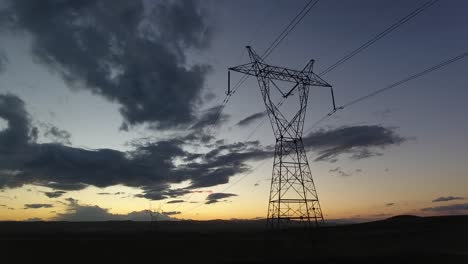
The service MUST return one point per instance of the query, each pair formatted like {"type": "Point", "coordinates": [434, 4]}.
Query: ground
{"type": "Point", "coordinates": [402, 239]}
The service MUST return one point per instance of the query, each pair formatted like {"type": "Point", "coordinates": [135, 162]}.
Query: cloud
{"type": "Point", "coordinates": [359, 141]}
{"type": "Point", "coordinates": [447, 198]}
{"type": "Point", "coordinates": [175, 201]}
{"type": "Point", "coordinates": [58, 135]}
{"type": "Point", "coordinates": [55, 194]}
{"type": "Point", "coordinates": [37, 206]}
{"type": "Point", "coordinates": [171, 213]}
{"type": "Point", "coordinates": [452, 209]}
{"type": "Point", "coordinates": [212, 116]}
{"type": "Point", "coordinates": [251, 118]}
{"type": "Point", "coordinates": [16, 135]}
{"type": "Point", "coordinates": [151, 165]}
{"type": "Point", "coordinates": [3, 61]}
{"type": "Point", "coordinates": [340, 172]}
{"type": "Point", "coordinates": [107, 193]}
{"type": "Point", "coordinates": [34, 219]}
{"type": "Point", "coordinates": [78, 212]}
{"type": "Point", "coordinates": [389, 204]}
{"type": "Point", "coordinates": [133, 53]}
{"type": "Point", "coordinates": [216, 197]}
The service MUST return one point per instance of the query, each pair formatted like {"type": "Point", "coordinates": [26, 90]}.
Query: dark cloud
{"type": "Point", "coordinates": [175, 201]}
{"type": "Point", "coordinates": [58, 135]}
{"type": "Point", "coordinates": [340, 172]}
{"type": "Point", "coordinates": [150, 165]}
{"type": "Point", "coordinates": [133, 53]}
{"type": "Point", "coordinates": [162, 191]}
{"type": "Point", "coordinates": [211, 201]}
{"type": "Point", "coordinates": [447, 198]}
{"type": "Point", "coordinates": [37, 206]}
{"type": "Point", "coordinates": [453, 209]}
{"type": "Point", "coordinates": [389, 204]}
{"type": "Point", "coordinates": [69, 186]}
{"type": "Point", "coordinates": [107, 193]}
{"type": "Point", "coordinates": [34, 219]}
{"type": "Point", "coordinates": [251, 118]}
{"type": "Point", "coordinates": [171, 213]}
{"type": "Point", "coordinates": [54, 194]}
{"type": "Point", "coordinates": [78, 212]}
{"type": "Point", "coordinates": [3, 60]}
{"type": "Point", "coordinates": [17, 133]}
{"type": "Point", "coordinates": [216, 197]}
{"type": "Point", "coordinates": [358, 141]}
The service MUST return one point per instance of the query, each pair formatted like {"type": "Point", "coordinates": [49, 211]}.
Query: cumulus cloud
{"type": "Point", "coordinates": [37, 206]}
{"type": "Point", "coordinates": [447, 198]}
{"type": "Point", "coordinates": [250, 119]}
{"type": "Point", "coordinates": [359, 141]}
{"type": "Point", "coordinates": [150, 165]}
{"type": "Point", "coordinates": [78, 212]}
{"type": "Point", "coordinates": [133, 53]}
{"type": "Point", "coordinates": [216, 197]}
{"type": "Point", "coordinates": [450, 209]}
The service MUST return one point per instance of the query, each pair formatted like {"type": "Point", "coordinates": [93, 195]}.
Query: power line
{"type": "Point", "coordinates": [304, 11]}
{"type": "Point", "coordinates": [343, 60]}
{"type": "Point", "coordinates": [294, 22]}
{"type": "Point", "coordinates": [391, 86]}
{"type": "Point", "coordinates": [379, 36]}
{"type": "Point", "coordinates": [361, 48]}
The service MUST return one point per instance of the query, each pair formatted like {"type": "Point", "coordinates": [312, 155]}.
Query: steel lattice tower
{"type": "Point", "coordinates": [293, 196]}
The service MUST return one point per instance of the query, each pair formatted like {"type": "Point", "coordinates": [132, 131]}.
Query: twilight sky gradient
{"type": "Point", "coordinates": [105, 108]}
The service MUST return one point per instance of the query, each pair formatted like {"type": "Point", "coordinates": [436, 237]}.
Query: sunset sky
{"type": "Point", "coordinates": [106, 108]}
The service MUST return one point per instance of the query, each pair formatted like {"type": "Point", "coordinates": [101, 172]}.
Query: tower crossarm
{"type": "Point", "coordinates": [260, 69]}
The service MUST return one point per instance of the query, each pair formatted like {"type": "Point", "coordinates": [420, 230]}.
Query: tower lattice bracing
{"type": "Point", "coordinates": [293, 196]}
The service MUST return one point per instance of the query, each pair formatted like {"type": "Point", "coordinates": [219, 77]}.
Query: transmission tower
{"type": "Point", "coordinates": [293, 197]}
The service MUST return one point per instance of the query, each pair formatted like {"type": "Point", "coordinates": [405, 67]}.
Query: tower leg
{"type": "Point", "coordinates": [293, 197]}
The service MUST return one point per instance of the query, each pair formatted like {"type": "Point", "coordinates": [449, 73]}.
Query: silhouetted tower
{"type": "Point", "coordinates": [293, 196]}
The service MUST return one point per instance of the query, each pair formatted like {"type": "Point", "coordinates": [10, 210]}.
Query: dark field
{"type": "Point", "coordinates": [403, 239]}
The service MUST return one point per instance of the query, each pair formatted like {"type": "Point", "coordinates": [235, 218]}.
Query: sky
{"type": "Point", "coordinates": [107, 108]}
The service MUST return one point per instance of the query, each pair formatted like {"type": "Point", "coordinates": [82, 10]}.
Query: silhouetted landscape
{"type": "Point", "coordinates": [395, 240]}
